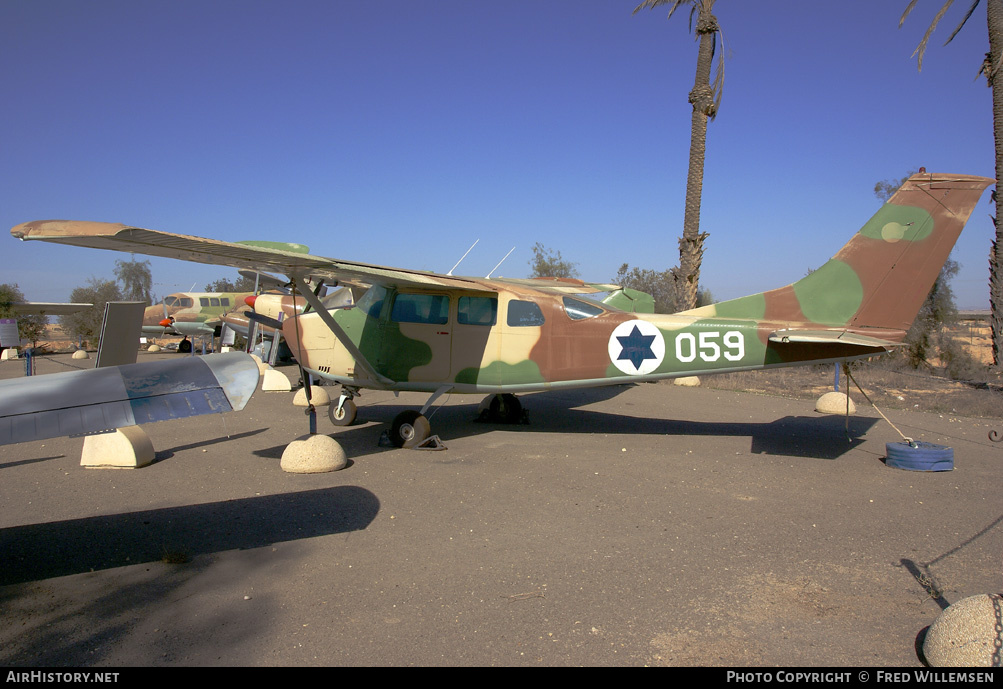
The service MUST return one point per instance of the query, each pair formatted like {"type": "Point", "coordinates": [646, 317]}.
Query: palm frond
{"type": "Point", "coordinates": [975, 3]}
{"type": "Point", "coordinates": [652, 4]}
{"type": "Point", "coordinates": [912, 3]}
{"type": "Point", "coordinates": [921, 48]}
{"type": "Point", "coordinates": [717, 87]}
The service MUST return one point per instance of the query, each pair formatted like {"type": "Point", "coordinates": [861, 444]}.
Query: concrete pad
{"type": "Point", "coordinates": [687, 381]}
{"type": "Point", "coordinates": [318, 396]}
{"type": "Point", "coordinates": [274, 381]}
{"type": "Point", "coordinates": [126, 448]}
{"type": "Point", "coordinates": [313, 454]}
{"type": "Point", "coordinates": [834, 403]}
{"type": "Point", "coordinates": [965, 635]}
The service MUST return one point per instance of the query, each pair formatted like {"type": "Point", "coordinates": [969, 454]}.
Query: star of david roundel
{"type": "Point", "coordinates": [636, 347]}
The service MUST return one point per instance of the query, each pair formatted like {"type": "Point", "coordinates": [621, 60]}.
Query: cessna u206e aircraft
{"type": "Point", "coordinates": [422, 331]}
{"type": "Point", "coordinates": [191, 314]}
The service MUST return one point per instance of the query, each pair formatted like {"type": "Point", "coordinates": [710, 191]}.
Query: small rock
{"type": "Point", "coordinates": [687, 381]}
{"type": "Point", "coordinates": [313, 454]}
{"type": "Point", "coordinates": [965, 634]}
{"type": "Point", "coordinates": [834, 403]}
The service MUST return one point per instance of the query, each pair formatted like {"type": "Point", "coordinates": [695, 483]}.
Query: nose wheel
{"type": "Point", "coordinates": [343, 414]}
{"type": "Point", "coordinates": [409, 429]}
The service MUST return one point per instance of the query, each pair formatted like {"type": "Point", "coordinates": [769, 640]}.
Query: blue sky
{"type": "Point", "coordinates": [399, 132]}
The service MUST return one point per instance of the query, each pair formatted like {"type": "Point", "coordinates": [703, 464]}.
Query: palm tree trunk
{"type": "Point", "coordinates": [994, 14]}
{"type": "Point", "coordinates": [702, 98]}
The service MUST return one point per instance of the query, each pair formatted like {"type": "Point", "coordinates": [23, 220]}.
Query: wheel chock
{"type": "Point", "coordinates": [432, 442]}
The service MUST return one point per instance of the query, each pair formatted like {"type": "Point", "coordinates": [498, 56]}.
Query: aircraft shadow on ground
{"type": "Point", "coordinates": [818, 437]}
{"type": "Point", "coordinates": [42, 551]}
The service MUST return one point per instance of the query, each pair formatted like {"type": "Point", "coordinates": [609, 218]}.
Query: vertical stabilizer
{"type": "Point", "coordinates": [878, 281]}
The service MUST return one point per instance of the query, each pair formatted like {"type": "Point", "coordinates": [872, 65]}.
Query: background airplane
{"type": "Point", "coordinates": [420, 331]}
{"type": "Point", "coordinates": [191, 314]}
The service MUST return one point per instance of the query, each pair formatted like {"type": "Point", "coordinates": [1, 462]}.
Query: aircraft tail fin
{"type": "Point", "coordinates": [878, 281]}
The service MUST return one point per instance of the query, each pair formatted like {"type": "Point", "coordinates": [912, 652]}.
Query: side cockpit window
{"type": "Point", "coordinates": [477, 310]}
{"type": "Point", "coordinates": [421, 308]}
{"type": "Point", "coordinates": [579, 310]}
{"type": "Point", "coordinates": [524, 314]}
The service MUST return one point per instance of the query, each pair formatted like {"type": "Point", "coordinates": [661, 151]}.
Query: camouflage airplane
{"type": "Point", "coordinates": [191, 314]}
{"type": "Point", "coordinates": [271, 308]}
{"type": "Point", "coordinates": [440, 334]}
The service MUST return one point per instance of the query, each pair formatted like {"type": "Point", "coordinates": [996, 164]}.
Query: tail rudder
{"type": "Point", "coordinates": [881, 277]}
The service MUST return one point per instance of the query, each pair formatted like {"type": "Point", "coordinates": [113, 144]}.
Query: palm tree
{"type": "Point", "coordinates": [705, 98]}
{"type": "Point", "coordinates": [991, 68]}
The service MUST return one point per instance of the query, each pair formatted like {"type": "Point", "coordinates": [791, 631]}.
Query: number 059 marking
{"type": "Point", "coordinates": [709, 345]}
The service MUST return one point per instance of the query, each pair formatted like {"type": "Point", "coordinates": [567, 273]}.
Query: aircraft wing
{"type": "Point", "coordinates": [93, 400]}
{"type": "Point", "coordinates": [559, 285]}
{"type": "Point", "coordinates": [251, 256]}
{"type": "Point", "coordinates": [49, 308]}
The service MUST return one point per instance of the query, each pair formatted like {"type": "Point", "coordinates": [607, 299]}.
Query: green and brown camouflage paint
{"type": "Point", "coordinates": [856, 305]}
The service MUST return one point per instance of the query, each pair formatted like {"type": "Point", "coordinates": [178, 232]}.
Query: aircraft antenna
{"type": "Point", "coordinates": [499, 263]}
{"type": "Point", "coordinates": [463, 257]}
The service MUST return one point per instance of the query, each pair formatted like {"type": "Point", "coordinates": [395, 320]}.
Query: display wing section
{"type": "Point", "coordinates": [94, 400]}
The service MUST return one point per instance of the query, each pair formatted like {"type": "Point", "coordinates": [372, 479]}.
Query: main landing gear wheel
{"type": "Point", "coordinates": [409, 429]}
{"type": "Point", "coordinates": [502, 408]}
{"type": "Point", "coordinates": [344, 416]}
{"type": "Point", "coordinates": [506, 408]}
{"type": "Point", "coordinates": [185, 346]}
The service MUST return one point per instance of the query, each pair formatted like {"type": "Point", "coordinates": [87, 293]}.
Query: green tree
{"type": "Point", "coordinates": [660, 285]}
{"type": "Point", "coordinates": [241, 284]}
{"type": "Point", "coordinates": [550, 264]}
{"type": "Point", "coordinates": [705, 98]}
{"type": "Point", "coordinates": [136, 280]}
{"type": "Point", "coordinates": [30, 327]}
{"type": "Point", "coordinates": [86, 325]}
{"type": "Point", "coordinates": [992, 69]}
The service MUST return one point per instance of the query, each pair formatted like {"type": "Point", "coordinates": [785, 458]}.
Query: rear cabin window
{"type": "Point", "coordinates": [204, 301]}
{"type": "Point", "coordinates": [579, 310]}
{"type": "Point", "coordinates": [224, 301]}
{"type": "Point", "coordinates": [477, 310]}
{"type": "Point", "coordinates": [421, 308]}
{"type": "Point", "coordinates": [524, 314]}
{"type": "Point", "coordinates": [214, 301]}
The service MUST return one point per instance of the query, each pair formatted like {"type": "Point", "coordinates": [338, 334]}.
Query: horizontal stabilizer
{"type": "Point", "coordinates": [100, 399]}
{"type": "Point", "coordinates": [831, 337]}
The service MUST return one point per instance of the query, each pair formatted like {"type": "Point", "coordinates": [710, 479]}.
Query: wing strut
{"type": "Point", "coordinates": [325, 315]}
